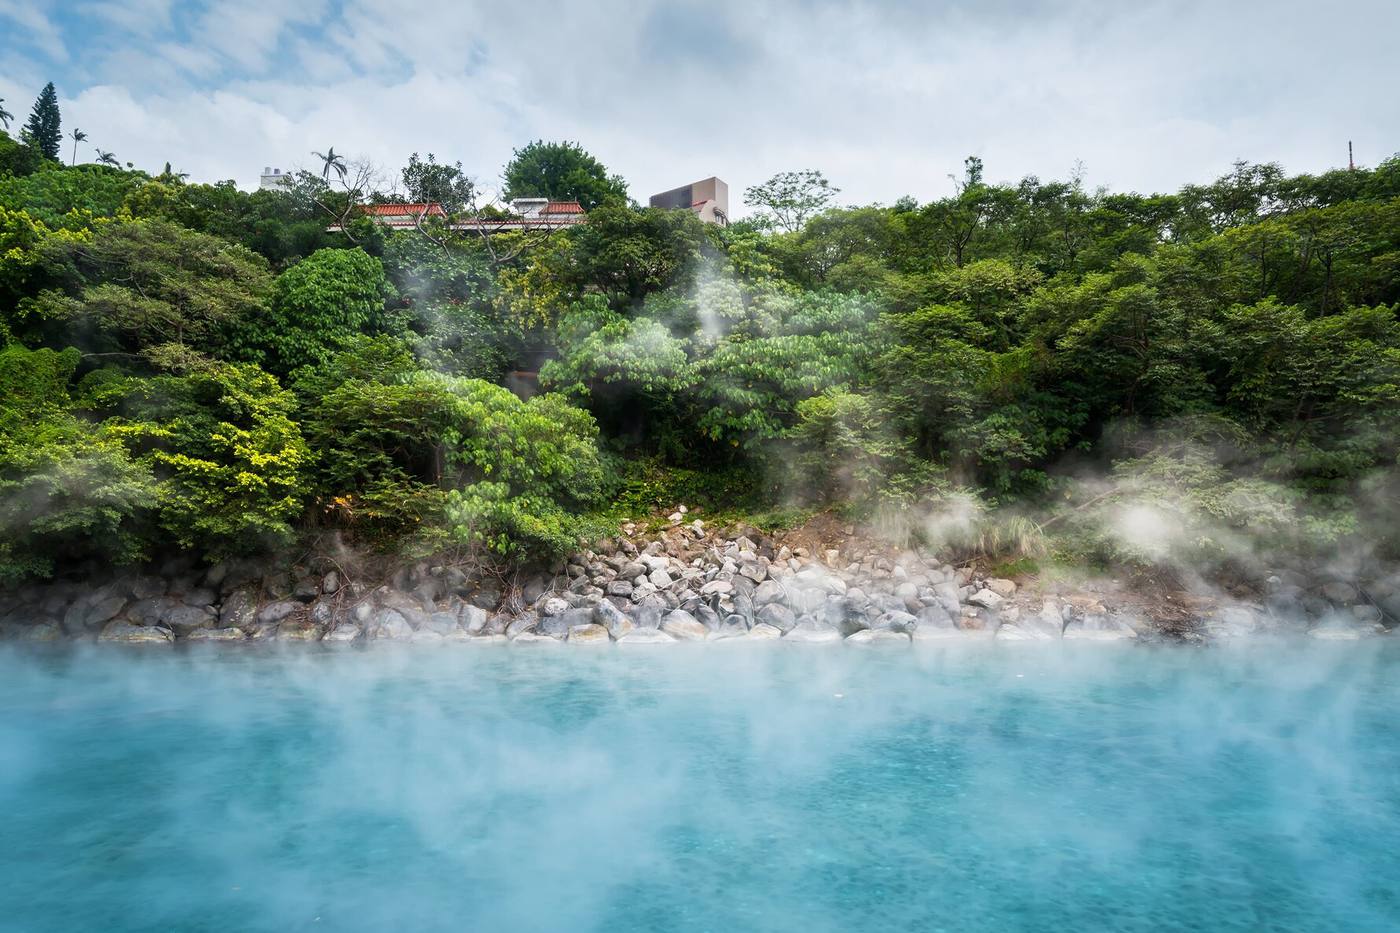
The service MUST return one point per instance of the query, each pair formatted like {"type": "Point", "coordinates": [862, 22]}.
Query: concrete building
{"type": "Point", "coordinates": [709, 199]}
{"type": "Point", "coordinates": [274, 179]}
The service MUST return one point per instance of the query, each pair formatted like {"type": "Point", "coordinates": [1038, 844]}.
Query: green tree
{"type": "Point", "coordinates": [77, 136]}
{"type": "Point", "coordinates": [318, 306]}
{"type": "Point", "coordinates": [561, 172]}
{"type": "Point", "coordinates": [429, 182]}
{"type": "Point", "coordinates": [5, 115]}
{"type": "Point", "coordinates": [42, 129]}
{"type": "Point", "coordinates": [134, 285]}
{"type": "Point", "coordinates": [788, 199]}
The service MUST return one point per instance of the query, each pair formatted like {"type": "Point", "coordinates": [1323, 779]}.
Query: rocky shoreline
{"type": "Point", "coordinates": [684, 584]}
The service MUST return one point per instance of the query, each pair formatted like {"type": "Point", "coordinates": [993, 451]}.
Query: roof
{"type": "Point", "coordinates": [403, 210]}
{"type": "Point", "coordinates": [562, 207]}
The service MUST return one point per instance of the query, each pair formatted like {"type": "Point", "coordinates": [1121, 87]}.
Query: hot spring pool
{"type": "Point", "coordinates": [720, 788]}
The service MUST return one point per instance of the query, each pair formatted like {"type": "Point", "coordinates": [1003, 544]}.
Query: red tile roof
{"type": "Point", "coordinates": [562, 207]}
{"type": "Point", "coordinates": [403, 210]}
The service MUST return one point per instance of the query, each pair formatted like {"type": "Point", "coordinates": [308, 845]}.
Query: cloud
{"type": "Point", "coordinates": [887, 99]}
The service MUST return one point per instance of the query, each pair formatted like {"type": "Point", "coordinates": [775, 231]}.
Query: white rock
{"type": "Point", "coordinates": [870, 636]}
{"type": "Point", "coordinates": [588, 634]}
{"type": "Point", "coordinates": [985, 598]}
{"type": "Point", "coordinates": [765, 632]}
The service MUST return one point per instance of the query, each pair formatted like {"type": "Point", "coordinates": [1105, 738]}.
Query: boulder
{"type": "Point", "coordinates": [532, 638]}
{"type": "Point", "coordinates": [1003, 588]}
{"type": "Point", "coordinates": [135, 634]}
{"type": "Point", "coordinates": [344, 632]}
{"type": "Point", "coordinates": [554, 606]}
{"type": "Point", "coordinates": [1049, 621]}
{"type": "Point", "coordinates": [870, 636]}
{"type": "Point", "coordinates": [276, 611]}
{"type": "Point", "coordinates": [769, 591]}
{"type": "Point", "coordinates": [646, 636]}
{"type": "Point", "coordinates": [612, 618]}
{"type": "Point", "coordinates": [440, 623]}
{"type": "Point", "coordinates": [525, 622]}
{"type": "Point", "coordinates": [1099, 627]}
{"type": "Point", "coordinates": [183, 620]}
{"type": "Point", "coordinates": [986, 598]}
{"type": "Point", "coordinates": [778, 616]}
{"type": "Point", "coordinates": [239, 608]}
{"type": "Point", "coordinates": [620, 588]}
{"type": "Point", "coordinates": [765, 632]}
{"type": "Point", "coordinates": [228, 633]}
{"type": "Point", "coordinates": [390, 624]}
{"type": "Point", "coordinates": [897, 621]}
{"type": "Point", "coordinates": [558, 626]}
{"type": "Point", "coordinates": [299, 628]}
{"type": "Point", "coordinates": [812, 633]}
{"type": "Point", "coordinates": [473, 619]}
{"type": "Point", "coordinates": [947, 596]}
{"type": "Point", "coordinates": [717, 588]}
{"type": "Point", "coordinates": [589, 633]}
{"type": "Point", "coordinates": [683, 626]}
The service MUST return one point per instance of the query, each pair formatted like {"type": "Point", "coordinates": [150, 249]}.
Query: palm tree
{"type": "Point", "coordinates": [106, 158]}
{"type": "Point", "coordinates": [78, 136]}
{"type": "Point", "coordinates": [5, 115]}
{"type": "Point", "coordinates": [171, 175]}
{"type": "Point", "coordinates": [332, 161]}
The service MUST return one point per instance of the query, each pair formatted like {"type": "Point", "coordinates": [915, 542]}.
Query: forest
{"type": "Point", "coordinates": [1029, 371]}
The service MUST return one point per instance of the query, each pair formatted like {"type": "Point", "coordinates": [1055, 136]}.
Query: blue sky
{"type": "Point", "coordinates": [886, 98]}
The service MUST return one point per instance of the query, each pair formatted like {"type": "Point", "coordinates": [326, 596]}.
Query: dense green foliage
{"type": "Point", "coordinates": [42, 130]}
{"type": "Point", "coordinates": [190, 366]}
{"type": "Point", "coordinates": [561, 172]}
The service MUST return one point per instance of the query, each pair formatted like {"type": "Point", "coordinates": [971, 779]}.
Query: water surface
{"type": "Point", "coordinates": [712, 787]}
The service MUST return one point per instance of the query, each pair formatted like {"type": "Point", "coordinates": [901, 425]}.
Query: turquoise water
{"type": "Point", "coordinates": [719, 788]}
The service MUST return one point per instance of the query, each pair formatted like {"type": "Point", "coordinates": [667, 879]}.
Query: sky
{"type": "Point", "coordinates": [886, 98]}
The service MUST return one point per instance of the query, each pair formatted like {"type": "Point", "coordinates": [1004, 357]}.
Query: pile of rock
{"type": "Point", "coordinates": [683, 585]}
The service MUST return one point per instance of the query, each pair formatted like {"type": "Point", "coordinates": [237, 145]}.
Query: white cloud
{"type": "Point", "coordinates": [886, 99]}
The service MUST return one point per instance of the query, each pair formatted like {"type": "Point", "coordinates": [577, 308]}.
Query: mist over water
{"type": "Point", "coordinates": [715, 787]}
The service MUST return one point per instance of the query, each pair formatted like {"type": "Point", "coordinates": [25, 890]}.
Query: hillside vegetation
{"type": "Point", "coordinates": [1017, 370]}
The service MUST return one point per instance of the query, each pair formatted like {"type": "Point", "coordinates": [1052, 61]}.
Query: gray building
{"type": "Point", "coordinates": [709, 199]}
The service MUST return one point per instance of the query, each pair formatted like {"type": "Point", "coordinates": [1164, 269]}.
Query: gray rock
{"type": "Point", "coordinates": [217, 634]}
{"type": "Point", "coordinates": [660, 579]}
{"type": "Point", "coordinates": [200, 597]}
{"type": "Point", "coordinates": [441, 623]}
{"type": "Point", "coordinates": [239, 608]}
{"type": "Point", "coordinates": [646, 636]}
{"type": "Point", "coordinates": [897, 621]}
{"type": "Point", "coordinates": [330, 583]}
{"type": "Point", "coordinates": [683, 626]}
{"type": "Point", "coordinates": [621, 588]}
{"type": "Point", "coordinates": [299, 628]}
{"type": "Point", "coordinates": [558, 626]}
{"type": "Point", "coordinates": [277, 611]}
{"type": "Point", "coordinates": [762, 631]}
{"type": "Point", "coordinates": [1049, 621]}
{"type": "Point", "coordinates": [986, 599]}
{"type": "Point", "coordinates": [812, 633]}
{"type": "Point", "coordinates": [135, 634]}
{"type": "Point", "coordinates": [183, 620]}
{"type": "Point", "coordinates": [104, 611]}
{"type": "Point", "coordinates": [935, 618]}
{"type": "Point", "coordinates": [533, 638]}
{"type": "Point", "coordinates": [473, 619]}
{"type": "Point", "coordinates": [778, 616]}
{"type": "Point", "coordinates": [554, 606]}
{"type": "Point", "coordinates": [344, 632]}
{"type": "Point", "coordinates": [389, 624]}
{"type": "Point", "coordinates": [42, 632]}
{"type": "Point", "coordinates": [947, 596]}
{"type": "Point", "coordinates": [525, 622]}
{"type": "Point", "coordinates": [877, 636]}
{"type": "Point", "coordinates": [769, 591]}
{"type": "Point", "coordinates": [717, 588]}
{"type": "Point", "coordinates": [1003, 588]}
{"type": "Point", "coordinates": [612, 618]}
{"type": "Point", "coordinates": [1098, 627]}
{"type": "Point", "coordinates": [589, 633]}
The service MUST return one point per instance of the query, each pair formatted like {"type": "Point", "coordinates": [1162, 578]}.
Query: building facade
{"type": "Point", "coordinates": [709, 199]}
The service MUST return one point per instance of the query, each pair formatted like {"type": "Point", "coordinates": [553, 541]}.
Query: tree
{"type": "Point", "coordinates": [42, 129]}
{"type": "Point", "coordinates": [106, 158]}
{"type": "Point", "coordinates": [561, 172]}
{"type": "Point", "coordinates": [428, 182]}
{"type": "Point", "coordinates": [132, 285]}
{"type": "Point", "coordinates": [331, 162]}
{"type": "Point", "coordinates": [5, 115]}
{"type": "Point", "coordinates": [77, 136]}
{"type": "Point", "coordinates": [789, 198]}
{"type": "Point", "coordinates": [318, 307]}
